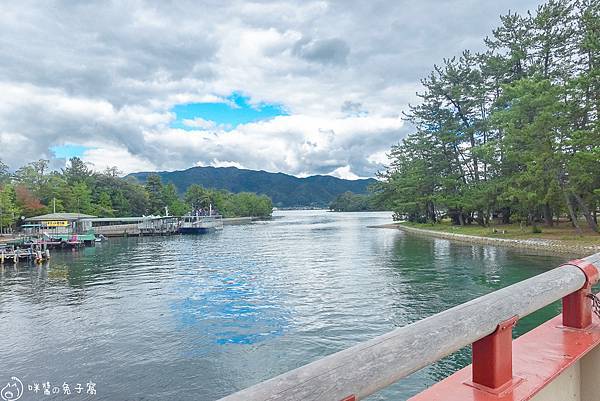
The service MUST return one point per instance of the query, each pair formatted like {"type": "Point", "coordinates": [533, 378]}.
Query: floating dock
{"type": "Point", "coordinates": [157, 225]}
{"type": "Point", "coordinates": [64, 230]}
{"type": "Point", "coordinates": [134, 226]}
{"type": "Point", "coordinates": [16, 255]}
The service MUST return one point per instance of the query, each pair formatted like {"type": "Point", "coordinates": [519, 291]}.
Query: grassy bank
{"type": "Point", "coordinates": [555, 240]}
{"type": "Point", "coordinates": [562, 232]}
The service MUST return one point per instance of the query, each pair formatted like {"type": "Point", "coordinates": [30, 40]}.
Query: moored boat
{"type": "Point", "coordinates": [198, 224]}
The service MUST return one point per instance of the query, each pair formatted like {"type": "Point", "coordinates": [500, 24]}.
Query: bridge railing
{"type": "Point", "coordinates": [485, 322]}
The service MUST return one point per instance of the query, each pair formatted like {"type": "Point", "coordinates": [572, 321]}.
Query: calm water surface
{"type": "Point", "coordinates": [196, 318]}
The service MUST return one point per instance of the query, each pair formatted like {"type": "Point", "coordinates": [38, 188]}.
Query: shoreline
{"type": "Point", "coordinates": [558, 247]}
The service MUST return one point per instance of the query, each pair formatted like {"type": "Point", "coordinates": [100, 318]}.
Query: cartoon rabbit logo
{"type": "Point", "coordinates": [13, 390]}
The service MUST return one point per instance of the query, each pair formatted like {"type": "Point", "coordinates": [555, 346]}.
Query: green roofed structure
{"type": "Point", "coordinates": [61, 226]}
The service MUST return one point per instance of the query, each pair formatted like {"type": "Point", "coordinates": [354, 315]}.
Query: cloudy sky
{"type": "Point", "coordinates": [301, 87]}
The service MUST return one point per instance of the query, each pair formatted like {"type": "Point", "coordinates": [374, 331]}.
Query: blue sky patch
{"type": "Point", "coordinates": [226, 115]}
{"type": "Point", "coordinates": [69, 150]}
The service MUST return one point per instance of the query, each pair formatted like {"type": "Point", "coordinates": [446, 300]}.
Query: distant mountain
{"type": "Point", "coordinates": [285, 190]}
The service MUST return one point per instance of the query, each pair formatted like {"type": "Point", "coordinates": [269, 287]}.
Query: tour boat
{"type": "Point", "coordinates": [200, 224]}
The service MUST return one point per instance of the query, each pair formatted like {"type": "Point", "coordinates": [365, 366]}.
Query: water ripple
{"type": "Point", "coordinates": [198, 317]}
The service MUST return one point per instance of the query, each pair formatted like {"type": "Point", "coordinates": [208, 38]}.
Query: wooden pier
{"type": "Point", "coordinates": [135, 226]}
{"type": "Point", "coordinates": [16, 255]}
{"type": "Point", "coordinates": [67, 230]}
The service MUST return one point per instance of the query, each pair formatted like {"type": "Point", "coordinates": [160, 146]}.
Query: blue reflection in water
{"type": "Point", "coordinates": [197, 318]}
{"type": "Point", "coordinates": [227, 308]}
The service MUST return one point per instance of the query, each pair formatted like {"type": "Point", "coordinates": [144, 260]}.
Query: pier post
{"type": "Point", "coordinates": [577, 306]}
{"type": "Point", "coordinates": [492, 358]}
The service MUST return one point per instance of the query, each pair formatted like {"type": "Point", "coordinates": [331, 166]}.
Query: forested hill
{"type": "Point", "coordinates": [285, 190]}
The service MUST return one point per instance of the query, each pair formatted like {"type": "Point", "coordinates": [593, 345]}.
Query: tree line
{"type": "Point", "coordinates": [34, 189]}
{"type": "Point", "coordinates": [510, 133]}
{"type": "Point", "coordinates": [351, 202]}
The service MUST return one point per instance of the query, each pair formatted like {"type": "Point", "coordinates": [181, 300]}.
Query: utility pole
{"type": "Point", "coordinates": [54, 205]}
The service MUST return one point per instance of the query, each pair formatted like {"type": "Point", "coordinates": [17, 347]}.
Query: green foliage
{"type": "Point", "coordinates": [4, 173]}
{"type": "Point", "coordinates": [176, 206]}
{"type": "Point", "coordinates": [197, 197]}
{"type": "Point", "coordinates": [246, 204]}
{"type": "Point", "coordinates": [512, 132]}
{"type": "Point", "coordinates": [243, 204]}
{"type": "Point", "coordinates": [285, 190]}
{"type": "Point", "coordinates": [34, 190]}
{"type": "Point", "coordinates": [81, 200]}
{"type": "Point", "coordinates": [77, 171]}
{"type": "Point", "coordinates": [349, 202]}
{"type": "Point", "coordinates": [104, 207]}
{"type": "Point", "coordinates": [34, 176]}
{"type": "Point", "coordinates": [154, 188]}
{"type": "Point", "coordinates": [9, 211]}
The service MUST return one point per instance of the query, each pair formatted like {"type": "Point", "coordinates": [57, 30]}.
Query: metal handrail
{"type": "Point", "coordinates": [372, 365]}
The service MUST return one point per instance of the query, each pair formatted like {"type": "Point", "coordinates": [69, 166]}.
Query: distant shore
{"type": "Point", "coordinates": [234, 221]}
{"type": "Point", "coordinates": [554, 246]}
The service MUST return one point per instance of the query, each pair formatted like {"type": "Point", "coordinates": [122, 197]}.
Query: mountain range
{"type": "Point", "coordinates": [285, 190]}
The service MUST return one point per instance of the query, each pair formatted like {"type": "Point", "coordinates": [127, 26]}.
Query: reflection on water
{"type": "Point", "coordinates": [200, 317]}
{"type": "Point", "coordinates": [226, 308]}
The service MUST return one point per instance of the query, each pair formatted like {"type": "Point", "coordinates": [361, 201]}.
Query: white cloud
{"type": "Point", "coordinates": [220, 163]}
{"type": "Point", "coordinates": [297, 144]}
{"type": "Point", "coordinates": [104, 157]}
{"type": "Point", "coordinates": [108, 74]}
{"type": "Point", "coordinates": [199, 123]}
{"type": "Point", "coordinates": [345, 173]}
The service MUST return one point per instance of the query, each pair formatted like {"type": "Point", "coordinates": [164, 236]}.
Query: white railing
{"type": "Point", "coordinates": [368, 367]}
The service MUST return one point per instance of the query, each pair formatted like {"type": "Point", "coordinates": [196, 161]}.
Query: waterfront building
{"type": "Point", "coordinates": [142, 225]}
{"type": "Point", "coordinates": [61, 226]}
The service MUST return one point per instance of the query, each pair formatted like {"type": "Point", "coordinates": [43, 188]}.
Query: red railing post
{"type": "Point", "coordinates": [577, 306]}
{"type": "Point", "coordinates": [492, 357]}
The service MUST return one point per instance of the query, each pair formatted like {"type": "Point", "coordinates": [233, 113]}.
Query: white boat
{"type": "Point", "coordinates": [198, 224]}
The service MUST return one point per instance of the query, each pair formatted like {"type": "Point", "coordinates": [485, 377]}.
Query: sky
{"type": "Point", "coordinates": [300, 87]}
